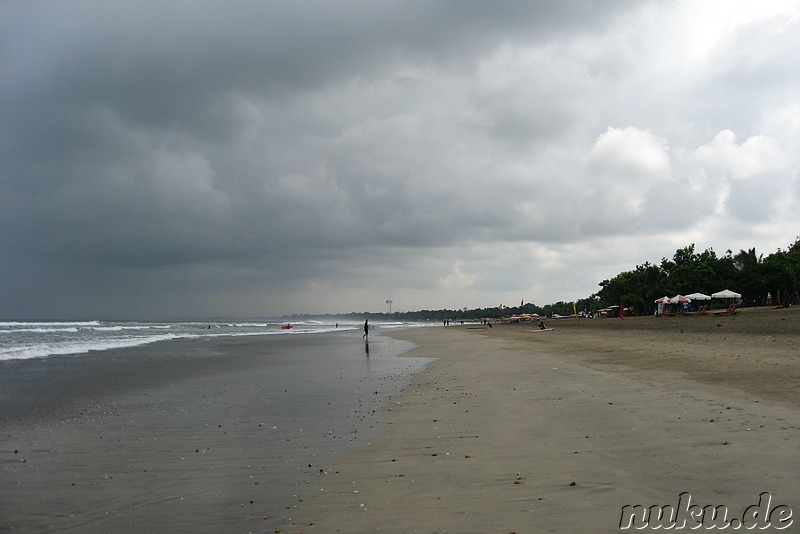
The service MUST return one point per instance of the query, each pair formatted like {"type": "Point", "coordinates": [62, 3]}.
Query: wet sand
{"type": "Point", "coordinates": [518, 431]}
{"type": "Point", "coordinates": [215, 435]}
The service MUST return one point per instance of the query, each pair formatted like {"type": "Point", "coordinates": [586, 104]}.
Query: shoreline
{"type": "Point", "coordinates": [215, 435]}
{"type": "Point", "coordinates": [513, 431]}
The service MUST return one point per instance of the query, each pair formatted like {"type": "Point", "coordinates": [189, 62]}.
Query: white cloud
{"type": "Point", "coordinates": [457, 278]}
{"type": "Point", "coordinates": [756, 155]}
{"type": "Point", "coordinates": [630, 152]}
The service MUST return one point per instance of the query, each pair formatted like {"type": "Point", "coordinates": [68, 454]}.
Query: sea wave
{"type": "Point", "coordinates": [16, 324]}
{"type": "Point", "coordinates": [40, 330]}
{"type": "Point", "coordinates": [25, 339]}
{"type": "Point", "coordinates": [78, 347]}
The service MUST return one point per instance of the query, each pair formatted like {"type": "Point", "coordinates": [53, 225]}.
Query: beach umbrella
{"type": "Point", "coordinates": [698, 296]}
{"type": "Point", "coordinates": [660, 308]}
{"type": "Point", "coordinates": [678, 299]}
{"type": "Point", "coordinates": [726, 294]}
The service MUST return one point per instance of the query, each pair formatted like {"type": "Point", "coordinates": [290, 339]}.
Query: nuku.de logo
{"type": "Point", "coordinates": [692, 516]}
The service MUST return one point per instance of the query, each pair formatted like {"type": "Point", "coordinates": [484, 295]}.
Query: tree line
{"type": "Point", "coordinates": [758, 279]}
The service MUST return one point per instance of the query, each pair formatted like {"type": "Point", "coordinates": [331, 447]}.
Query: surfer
{"type": "Point", "coordinates": [366, 330]}
{"type": "Point", "coordinates": [541, 325]}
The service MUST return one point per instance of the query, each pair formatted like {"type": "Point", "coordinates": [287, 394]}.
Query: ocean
{"type": "Point", "coordinates": [36, 339]}
{"type": "Point", "coordinates": [175, 426]}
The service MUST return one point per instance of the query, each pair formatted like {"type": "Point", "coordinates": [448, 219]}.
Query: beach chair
{"type": "Point", "coordinates": [730, 311]}
{"type": "Point", "coordinates": [703, 310]}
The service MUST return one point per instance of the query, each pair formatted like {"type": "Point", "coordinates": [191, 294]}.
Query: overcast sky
{"type": "Point", "coordinates": [231, 158]}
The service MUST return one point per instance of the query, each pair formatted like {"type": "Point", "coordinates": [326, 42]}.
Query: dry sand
{"type": "Point", "coordinates": [518, 431]}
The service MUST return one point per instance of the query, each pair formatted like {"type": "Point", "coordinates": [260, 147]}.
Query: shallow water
{"type": "Point", "coordinates": [201, 435]}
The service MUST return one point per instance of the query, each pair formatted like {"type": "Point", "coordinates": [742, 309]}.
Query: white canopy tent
{"type": "Point", "coordinates": [726, 294]}
{"type": "Point", "coordinates": [697, 296]}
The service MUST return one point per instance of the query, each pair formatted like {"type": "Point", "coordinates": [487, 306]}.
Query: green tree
{"type": "Point", "coordinates": [794, 248]}
{"type": "Point", "coordinates": [781, 276]}
{"type": "Point", "coordinates": [749, 276]}
{"type": "Point", "coordinates": [638, 288]}
{"type": "Point", "coordinates": [690, 271]}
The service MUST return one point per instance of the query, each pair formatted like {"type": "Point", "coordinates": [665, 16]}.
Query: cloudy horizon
{"type": "Point", "coordinates": [205, 158]}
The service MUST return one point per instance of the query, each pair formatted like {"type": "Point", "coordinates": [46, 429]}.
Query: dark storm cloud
{"type": "Point", "coordinates": [226, 154]}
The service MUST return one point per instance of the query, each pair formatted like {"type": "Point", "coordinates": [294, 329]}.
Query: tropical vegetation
{"type": "Point", "coordinates": [760, 280]}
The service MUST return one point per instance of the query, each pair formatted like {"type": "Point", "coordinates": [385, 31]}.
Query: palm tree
{"type": "Point", "coordinates": [750, 276]}
{"type": "Point", "coordinates": [747, 259]}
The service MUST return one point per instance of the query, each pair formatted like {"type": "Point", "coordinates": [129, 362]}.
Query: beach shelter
{"type": "Point", "coordinates": [698, 296]}
{"type": "Point", "coordinates": [726, 294]}
{"type": "Point", "coordinates": [681, 303]}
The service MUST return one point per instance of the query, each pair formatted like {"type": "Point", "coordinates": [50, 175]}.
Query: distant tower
{"type": "Point", "coordinates": [389, 302]}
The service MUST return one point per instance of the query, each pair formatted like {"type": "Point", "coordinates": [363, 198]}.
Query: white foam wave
{"type": "Point", "coordinates": [48, 349]}
{"type": "Point", "coordinates": [40, 330]}
{"type": "Point", "coordinates": [23, 339]}
{"type": "Point", "coordinates": [15, 324]}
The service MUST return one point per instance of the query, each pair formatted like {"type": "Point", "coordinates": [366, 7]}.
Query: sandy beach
{"type": "Point", "coordinates": [517, 431]}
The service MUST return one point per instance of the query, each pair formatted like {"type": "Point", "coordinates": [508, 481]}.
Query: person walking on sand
{"type": "Point", "coordinates": [366, 330]}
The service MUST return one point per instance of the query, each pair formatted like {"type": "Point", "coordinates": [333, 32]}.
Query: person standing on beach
{"type": "Point", "coordinates": [366, 330]}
